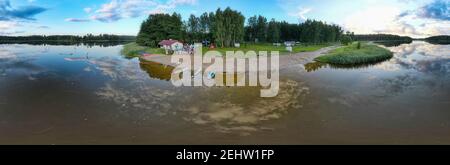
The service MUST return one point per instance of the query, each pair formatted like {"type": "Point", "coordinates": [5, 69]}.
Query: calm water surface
{"type": "Point", "coordinates": [93, 95]}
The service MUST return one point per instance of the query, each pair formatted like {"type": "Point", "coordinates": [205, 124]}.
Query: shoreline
{"type": "Point", "coordinates": [285, 61]}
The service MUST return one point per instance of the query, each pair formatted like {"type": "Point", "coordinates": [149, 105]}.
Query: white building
{"type": "Point", "coordinates": [173, 45]}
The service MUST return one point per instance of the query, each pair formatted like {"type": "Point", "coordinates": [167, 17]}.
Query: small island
{"type": "Point", "coordinates": [356, 53]}
{"type": "Point", "coordinates": [366, 50]}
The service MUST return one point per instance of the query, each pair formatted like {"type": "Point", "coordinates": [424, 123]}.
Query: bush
{"type": "Point", "coordinates": [345, 40]}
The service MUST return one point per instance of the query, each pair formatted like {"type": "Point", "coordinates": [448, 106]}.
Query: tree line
{"type": "Point", "coordinates": [442, 39]}
{"type": "Point", "coordinates": [226, 27]}
{"type": "Point", "coordinates": [67, 43]}
{"type": "Point", "coordinates": [310, 31]}
{"type": "Point", "coordinates": [223, 27]}
{"type": "Point", "coordinates": [381, 37]}
{"type": "Point", "coordinates": [68, 38]}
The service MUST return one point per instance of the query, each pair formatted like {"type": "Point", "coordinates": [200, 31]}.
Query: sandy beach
{"type": "Point", "coordinates": [285, 60]}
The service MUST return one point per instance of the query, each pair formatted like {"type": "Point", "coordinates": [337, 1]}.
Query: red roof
{"type": "Point", "coordinates": [168, 42]}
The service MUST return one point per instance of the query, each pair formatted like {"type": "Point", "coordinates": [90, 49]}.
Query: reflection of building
{"type": "Point", "coordinates": [157, 70]}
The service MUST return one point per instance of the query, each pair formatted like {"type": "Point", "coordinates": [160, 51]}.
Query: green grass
{"type": "Point", "coordinates": [350, 55]}
{"type": "Point", "coordinates": [268, 47]}
{"type": "Point", "coordinates": [134, 50]}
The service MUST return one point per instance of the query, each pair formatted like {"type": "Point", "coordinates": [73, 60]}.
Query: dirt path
{"type": "Point", "coordinates": [285, 60]}
{"type": "Point", "coordinates": [303, 57]}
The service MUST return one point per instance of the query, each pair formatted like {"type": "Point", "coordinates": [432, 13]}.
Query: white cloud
{"type": "Point", "coordinates": [16, 27]}
{"type": "Point", "coordinates": [171, 4]}
{"type": "Point", "coordinates": [43, 27]}
{"type": "Point", "coordinates": [436, 28]}
{"type": "Point", "coordinates": [120, 9]}
{"type": "Point", "coordinates": [8, 25]}
{"type": "Point", "coordinates": [301, 13]}
{"type": "Point", "coordinates": [394, 20]}
{"type": "Point", "coordinates": [76, 20]}
{"type": "Point", "coordinates": [400, 28]}
{"type": "Point", "coordinates": [9, 28]}
{"type": "Point", "coordinates": [371, 20]}
{"type": "Point", "coordinates": [295, 8]}
{"type": "Point", "coordinates": [430, 19]}
{"type": "Point", "coordinates": [9, 12]}
{"type": "Point", "coordinates": [436, 9]}
{"type": "Point", "coordinates": [87, 10]}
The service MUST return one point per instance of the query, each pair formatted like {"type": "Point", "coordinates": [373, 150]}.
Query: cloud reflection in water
{"type": "Point", "coordinates": [231, 115]}
{"type": "Point", "coordinates": [220, 107]}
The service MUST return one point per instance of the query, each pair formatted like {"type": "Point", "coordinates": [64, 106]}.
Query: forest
{"type": "Point", "coordinates": [310, 31]}
{"type": "Point", "coordinates": [226, 27]}
{"type": "Point", "coordinates": [442, 39]}
{"type": "Point", "coordinates": [381, 37]}
{"type": "Point", "coordinates": [222, 27]}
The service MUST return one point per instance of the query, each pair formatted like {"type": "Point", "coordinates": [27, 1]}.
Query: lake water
{"type": "Point", "coordinates": [93, 95]}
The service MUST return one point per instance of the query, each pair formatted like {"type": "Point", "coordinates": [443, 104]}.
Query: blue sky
{"type": "Point", "coordinates": [419, 18]}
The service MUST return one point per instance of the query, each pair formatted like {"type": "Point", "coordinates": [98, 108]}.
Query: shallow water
{"type": "Point", "coordinates": [93, 95]}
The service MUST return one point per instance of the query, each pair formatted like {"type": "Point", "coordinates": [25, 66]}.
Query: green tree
{"type": "Point", "coordinates": [228, 27]}
{"type": "Point", "coordinates": [346, 39]}
{"type": "Point", "coordinates": [159, 27]}
{"type": "Point", "coordinates": [273, 31]}
{"type": "Point", "coordinates": [250, 30]}
{"type": "Point", "coordinates": [261, 28]}
{"type": "Point", "coordinates": [193, 29]}
{"type": "Point", "coordinates": [219, 28]}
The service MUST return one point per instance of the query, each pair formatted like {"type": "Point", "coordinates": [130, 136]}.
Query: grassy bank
{"type": "Point", "coordinates": [351, 55]}
{"type": "Point", "coordinates": [268, 47]}
{"type": "Point", "coordinates": [134, 50]}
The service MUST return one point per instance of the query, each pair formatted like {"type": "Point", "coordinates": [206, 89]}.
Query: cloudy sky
{"type": "Point", "coordinates": [418, 18]}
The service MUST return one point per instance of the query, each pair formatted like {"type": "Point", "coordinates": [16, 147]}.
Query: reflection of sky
{"type": "Point", "coordinates": [132, 90]}
{"type": "Point", "coordinates": [415, 67]}
{"type": "Point", "coordinates": [13, 61]}
{"type": "Point", "coordinates": [422, 57]}
{"type": "Point", "coordinates": [140, 97]}
{"type": "Point", "coordinates": [5, 54]}
{"type": "Point", "coordinates": [34, 60]}
{"type": "Point", "coordinates": [228, 115]}
{"type": "Point", "coordinates": [418, 65]}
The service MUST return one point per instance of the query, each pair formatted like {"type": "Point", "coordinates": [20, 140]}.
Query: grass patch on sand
{"type": "Point", "coordinates": [268, 47]}
{"type": "Point", "coordinates": [351, 55]}
{"type": "Point", "coordinates": [134, 50]}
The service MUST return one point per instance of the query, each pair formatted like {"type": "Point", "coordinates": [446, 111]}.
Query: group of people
{"type": "Point", "coordinates": [189, 48]}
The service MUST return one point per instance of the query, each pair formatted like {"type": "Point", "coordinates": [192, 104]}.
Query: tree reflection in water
{"type": "Point", "coordinates": [157, 70]}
